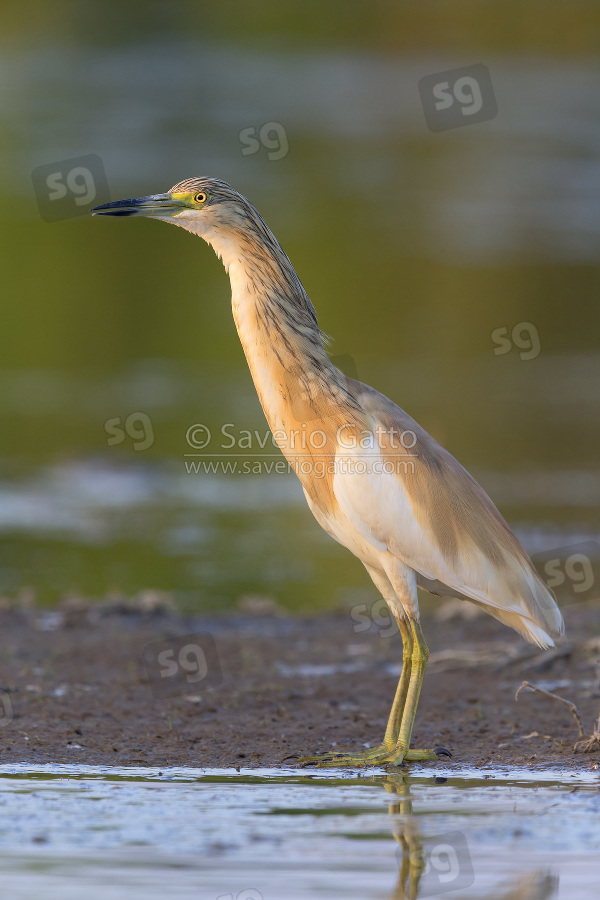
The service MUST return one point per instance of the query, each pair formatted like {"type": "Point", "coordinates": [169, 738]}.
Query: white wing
{"type": "Point", "coordinates": [379, 501]}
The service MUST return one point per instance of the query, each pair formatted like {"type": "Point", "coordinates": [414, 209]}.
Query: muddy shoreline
{"type": "Point", "coordinates": [85, 684]}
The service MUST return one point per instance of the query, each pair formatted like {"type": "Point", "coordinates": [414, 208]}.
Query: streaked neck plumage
{"type": "Point", "coordinates": [278, 329]}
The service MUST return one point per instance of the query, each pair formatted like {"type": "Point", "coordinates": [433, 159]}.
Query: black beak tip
{"type": "Point", "coordinates": [120, 208]}
{"type": "Point", "coordinates": [102, 211]}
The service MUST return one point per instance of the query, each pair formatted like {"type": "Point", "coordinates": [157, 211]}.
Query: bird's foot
{"type": "Point", "coordinates": [378, 756]}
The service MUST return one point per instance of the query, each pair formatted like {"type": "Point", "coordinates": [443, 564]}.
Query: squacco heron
{"type": "Point", "coordinates": [373, 478]}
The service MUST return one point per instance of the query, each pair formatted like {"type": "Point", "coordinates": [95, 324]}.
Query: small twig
{"type": "Point", "coordinates": [568, 703]}
{"type": "Point", "coordinates": [592, 743]}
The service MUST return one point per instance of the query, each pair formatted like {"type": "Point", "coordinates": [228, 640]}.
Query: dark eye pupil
{"type": "Point", "coordinates": [200, 198]}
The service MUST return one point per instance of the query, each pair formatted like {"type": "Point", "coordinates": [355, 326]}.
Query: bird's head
{"type": "Point", "coordinates": [228, 222]}
{"type": "Point", "coordinates": [205, 206]}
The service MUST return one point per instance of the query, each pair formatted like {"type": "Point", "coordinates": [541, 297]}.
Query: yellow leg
{"type": "Point", "coordinates": [420, 655]}
{"type": "Point", "coordinates": [396, 741]}
{"type": "Point", "coordinates": [393, 726]}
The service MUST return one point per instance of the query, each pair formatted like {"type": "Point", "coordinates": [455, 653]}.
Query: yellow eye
{"type": "Point", "coordinates": [200, 198]}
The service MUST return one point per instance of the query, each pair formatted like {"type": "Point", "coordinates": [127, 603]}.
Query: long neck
{"type": "Point", "coordinates": [294, 378]}
{"type": "Point", "coordinates": [306, 400]}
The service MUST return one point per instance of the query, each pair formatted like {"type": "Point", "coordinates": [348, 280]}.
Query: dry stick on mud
{"type": "Point", "coordinates": [591, 743]}
{"type": "Point", "coordinates": [568, 703]}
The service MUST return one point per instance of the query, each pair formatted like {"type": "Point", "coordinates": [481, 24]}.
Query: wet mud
{"type": "Point", "coordinates": [117, 684]}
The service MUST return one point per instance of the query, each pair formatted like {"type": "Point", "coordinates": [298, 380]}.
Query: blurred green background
{"type": "Point", "coordinates": [416, 247]}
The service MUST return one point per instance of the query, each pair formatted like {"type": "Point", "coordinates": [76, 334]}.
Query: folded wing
{"type": "Point", "coordinates": [412, 496]}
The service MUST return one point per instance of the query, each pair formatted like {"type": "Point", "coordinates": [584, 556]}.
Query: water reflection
{"type": "Point", "coordinates": [406, 832]}
{"type": "Point", "coordinates": [207, 832]}
{"type": "Point", "coordinates": [436, 865]}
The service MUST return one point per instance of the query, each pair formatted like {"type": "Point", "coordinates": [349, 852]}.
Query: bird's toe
{"type": "Point", "coordinates": [441, 751]}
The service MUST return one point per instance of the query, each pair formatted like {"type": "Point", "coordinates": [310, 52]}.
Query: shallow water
{"type": "Point", "coordinates": [265, 834]}
{"type": "Point", "coordinates": [98, 529]}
